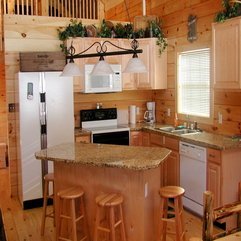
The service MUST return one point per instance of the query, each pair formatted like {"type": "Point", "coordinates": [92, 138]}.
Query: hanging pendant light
{"type": "Point", "coordinates": [102, 68]}
{"type": "Point", "coordinates": [71, 69]}
{"type": "Point", "coordinates": [135, 65]}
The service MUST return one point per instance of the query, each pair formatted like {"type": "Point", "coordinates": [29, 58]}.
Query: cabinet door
{"type": "Point", "coordinates": [156, 64]}
{"type": "Point", "coordinates": [145, 139]}
{"type": "Point", "coordinates": [136, 138]}
{"type": "Point", "coordinates": [143, 79]}
{"type": "Point", "coordinates": [214, 174]}
{"type": "Point", "coordinates": [226, 54]}
{"type": "Point", "coordinates": [214, 182]}
{"type": "Point", "coordinates": [128, 80]}
{"type": "Point", "coordinates": [173, 169]}
{"type": "Point", "coordinates": [78, 45]}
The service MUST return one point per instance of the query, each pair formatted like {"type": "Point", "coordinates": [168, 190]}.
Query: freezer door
{"type": "Point", "coordinates": [60, 110]}
{"type": "Point", "coordinates": [31, 175]}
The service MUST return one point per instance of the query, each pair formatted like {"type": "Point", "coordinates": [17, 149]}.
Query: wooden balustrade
{"type": "Point", "coordinates": [54, 8]}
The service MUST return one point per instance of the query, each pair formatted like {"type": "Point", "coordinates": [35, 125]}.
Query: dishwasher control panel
{"type": "Point", "coordinates": [193, 151]}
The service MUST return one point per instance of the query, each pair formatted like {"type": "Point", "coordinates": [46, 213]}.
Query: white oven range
{"type": "Point", "coordinates": [102, 123]}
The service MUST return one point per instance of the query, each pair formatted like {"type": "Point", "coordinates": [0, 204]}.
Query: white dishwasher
{"type": "Point", "coordinates": [193, 164]}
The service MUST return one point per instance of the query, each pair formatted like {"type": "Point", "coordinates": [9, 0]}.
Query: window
{"type": "Point", "coordinates": [194, 83]}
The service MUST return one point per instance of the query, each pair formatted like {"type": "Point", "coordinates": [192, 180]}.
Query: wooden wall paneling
{"type": "Point", "coordinates": [3, 104]}
{"type": "Point", "coordinates": [171, 81]}
{"type": "Point", "coordinates": [224, 97]}
{"type": "Point", "coordinates": [121, 101]}
{"type": "Point", "coordinates": [227, 127]}
{"type": "Point", "coordinates": [229, 113]}
{"type": "Point", "coordinates": [12, 67]}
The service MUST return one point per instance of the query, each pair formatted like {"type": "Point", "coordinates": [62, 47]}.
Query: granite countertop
{"type": "Point", "coordinates": [102, 155]}
{"type": "Point", "coordinates": [205, 139]}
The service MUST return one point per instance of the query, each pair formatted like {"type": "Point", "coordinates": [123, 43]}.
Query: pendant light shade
{"type": "Point", "coordinates": [71, 69]}
{"type": "Point", "coordinates": [135, 65]}
{"type": "Point", "coordinates": [102, 68]}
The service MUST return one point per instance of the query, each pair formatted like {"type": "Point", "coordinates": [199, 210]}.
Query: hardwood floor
{"type": "Point", "coordinates": [24, 225]}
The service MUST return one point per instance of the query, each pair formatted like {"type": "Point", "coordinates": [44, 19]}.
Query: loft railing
{"type": "Point", "coordinates": [54, 8]}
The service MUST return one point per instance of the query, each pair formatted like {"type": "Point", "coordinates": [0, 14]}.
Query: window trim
{"type": "Point", "coordinates": [183, 117]}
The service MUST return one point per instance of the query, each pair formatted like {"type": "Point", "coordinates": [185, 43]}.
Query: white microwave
{"type": "Point", "coordinates": [102, 83]}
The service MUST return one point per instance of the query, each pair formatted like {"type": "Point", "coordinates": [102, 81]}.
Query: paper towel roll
{"type": "Point", "coordinates": [132, 111]}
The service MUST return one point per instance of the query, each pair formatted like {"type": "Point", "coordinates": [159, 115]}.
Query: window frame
{"type": "Point", "coordinates": [184, 117]}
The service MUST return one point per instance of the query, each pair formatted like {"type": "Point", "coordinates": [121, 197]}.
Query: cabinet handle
{"type": "Point", "coordinates": [211, 155]}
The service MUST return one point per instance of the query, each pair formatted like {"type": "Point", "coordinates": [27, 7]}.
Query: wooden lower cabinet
{"type": "Point", "coordinates": [139, 138]}
{"type": "Point", "coordinates": [145, 139]}
{"type": "Point", "coordinates": [170, 169]}
{"type": "Point", "coordinates": [214, 181]}
{"type": "Point", "coordinates": [83, 139]}
{"type": "Point", "coordinates": [136, 138]}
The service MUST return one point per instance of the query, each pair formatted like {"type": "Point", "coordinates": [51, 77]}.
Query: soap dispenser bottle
{"type": "Point", "coordinates": [176, 121]}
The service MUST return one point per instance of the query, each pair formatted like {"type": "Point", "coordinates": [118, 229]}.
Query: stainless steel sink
{"type": "Point", "coordinates": [171, 129]}
{"type": "Point", "coordinates": [185, 131]}
{"type": "Point", "coordinates": [166, 128]}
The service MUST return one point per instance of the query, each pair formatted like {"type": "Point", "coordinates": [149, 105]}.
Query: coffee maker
{"type": "Point", "coordinates": [149, 115]}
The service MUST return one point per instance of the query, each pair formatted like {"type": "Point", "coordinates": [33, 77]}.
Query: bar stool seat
{"type": "Point", "coordinates": [111, 204]}
{"type": "Point", "coordinates": [175, 216]}
{"type": "Point", "coordinates": [68, 199]}
{"type": "Point", "coordinates": [48, 178]}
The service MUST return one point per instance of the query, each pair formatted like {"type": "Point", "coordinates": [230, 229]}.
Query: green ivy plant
{"type": "Point", "coordinates": [76, 29]}
{"type": "Point", "coordinates": [156, 32]}
{"type": "Point", "coordinates": [105, 31]}
{"type": "Point", "coordinates": [231, 9]}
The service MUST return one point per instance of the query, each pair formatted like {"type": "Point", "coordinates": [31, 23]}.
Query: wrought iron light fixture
{"type": "Point", "coordinates": [135, 65]}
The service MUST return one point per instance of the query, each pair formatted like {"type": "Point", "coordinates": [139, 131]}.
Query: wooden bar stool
{"type": "Point", "coordinates": [111, 204]}
{"type": "Point", "coordinates": [175, 193]}
{"type": "Point", "coordinates": [48, 178]}
{"type": "Point", "coordinates": [69, 198]}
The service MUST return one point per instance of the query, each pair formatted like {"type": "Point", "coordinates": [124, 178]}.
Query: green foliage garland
{"type": "Point", "coordinates": [231, 9]}
{"type": "Point", "coordinates": [76, 29]}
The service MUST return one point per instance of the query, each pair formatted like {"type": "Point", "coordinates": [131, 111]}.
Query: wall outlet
{"type": "Point", "coordinates": [220, 118]}
{"type": "Point", "coordinates": [168, 112]}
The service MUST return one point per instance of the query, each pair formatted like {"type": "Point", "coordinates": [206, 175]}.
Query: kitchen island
{"type": "Point", "coordinates": [132, 171]}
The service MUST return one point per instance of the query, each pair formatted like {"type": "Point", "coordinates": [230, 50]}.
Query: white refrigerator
{"type": "Point", "coordinates": [46, 118]}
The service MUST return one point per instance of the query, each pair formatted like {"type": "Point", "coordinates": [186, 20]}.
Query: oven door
{"type": "Point", "coordinates": [115, 137]}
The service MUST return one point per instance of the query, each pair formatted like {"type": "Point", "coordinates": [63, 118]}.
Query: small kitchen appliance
{"type": "Point", "coordinates": [149, 115]}
{"type": "Point", "coordinates": [102, 83]}
{"type": "Point", "coordinates": [102, 123]}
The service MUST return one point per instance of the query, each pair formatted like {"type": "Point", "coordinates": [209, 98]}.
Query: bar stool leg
{"type": "Point", "coordinates": [97, 222]}
{"type": "Point", "coordinates": [44, 207]}
{"type": "Point", "coordinates": [73, 217]}
{"type": "Point", "coordinates": [112, 224]}
{"type": "Point", "coordinates": [182, 219]}
{"type": "Point", "coordinates": [123, 235]}
{"type": "Point", "coordinates": [163, 214]}
{"type": "Point", "coordinates": [177, 219]}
